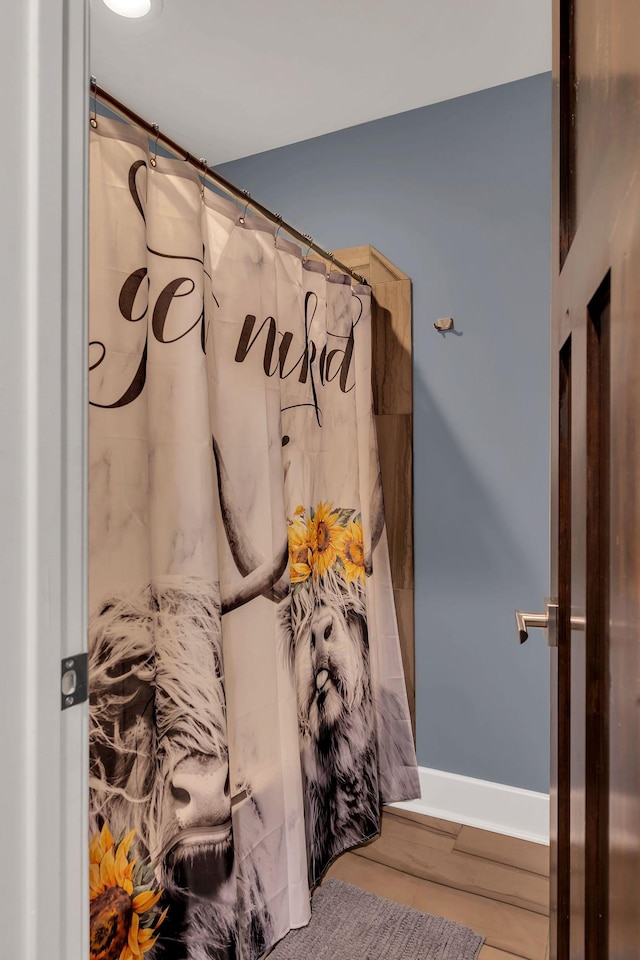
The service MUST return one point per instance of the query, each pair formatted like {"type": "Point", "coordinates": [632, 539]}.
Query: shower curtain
{"type": "Point", "coordinates": [247, 704]}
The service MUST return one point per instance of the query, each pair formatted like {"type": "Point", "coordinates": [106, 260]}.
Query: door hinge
{"type": "Point", "coordinates": [73, 680]}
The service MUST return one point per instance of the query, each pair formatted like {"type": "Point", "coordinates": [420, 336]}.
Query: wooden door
{"type": "Point", "coordinates": [595, 523]}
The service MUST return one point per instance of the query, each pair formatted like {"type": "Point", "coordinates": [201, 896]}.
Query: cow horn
{"type": "Point", "coordinates": [261, 581]}
{"type": "Point", "coordinates": [250, 562]}
{"type": "Point", "coordinates": [376, 520]}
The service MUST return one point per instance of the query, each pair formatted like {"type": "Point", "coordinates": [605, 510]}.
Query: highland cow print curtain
{"type": "Point", "coordinates": [247, 710]}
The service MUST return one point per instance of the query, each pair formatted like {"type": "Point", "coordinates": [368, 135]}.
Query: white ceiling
{"type": "Point", "coordinates": [228, 78]}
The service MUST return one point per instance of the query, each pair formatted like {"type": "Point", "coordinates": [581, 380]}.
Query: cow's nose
{"type": "Point", "coordinates": [200, 791]}
{"type": "Point", "coordinates": [322, 633]}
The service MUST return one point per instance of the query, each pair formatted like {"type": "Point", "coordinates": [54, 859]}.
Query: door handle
{"type": "Point", "coordinates": [545, 621]}
{"type": "Point", "coordinates": [525, 621]}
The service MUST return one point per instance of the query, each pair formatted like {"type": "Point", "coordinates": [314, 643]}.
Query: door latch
{"type": "Point", "coordinates": [73, 680]}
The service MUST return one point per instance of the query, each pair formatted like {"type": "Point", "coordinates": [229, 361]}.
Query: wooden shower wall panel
{"type": "Point", "coordinates": [393, 406]}
{"type": "Point", "coordinates": [392, 353]}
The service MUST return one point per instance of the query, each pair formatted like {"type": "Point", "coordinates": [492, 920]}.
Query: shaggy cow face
{"type": "Point", "coordinates": [158, 733]}
{"type": "Point", "coordinates": [324, 628]}
{"type": "Point", "coordinates": [330, 656]}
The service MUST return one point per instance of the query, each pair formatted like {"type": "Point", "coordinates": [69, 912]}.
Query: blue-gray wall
{"type": "Point", "coordinates": [458, 195]}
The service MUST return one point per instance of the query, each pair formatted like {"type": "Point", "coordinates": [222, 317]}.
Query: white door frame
{"type": "Point", "coordinates": [43, 400]}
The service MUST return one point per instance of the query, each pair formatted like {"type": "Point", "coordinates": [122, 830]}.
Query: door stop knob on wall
{"type": "Point", "coordinates": [446, 323]}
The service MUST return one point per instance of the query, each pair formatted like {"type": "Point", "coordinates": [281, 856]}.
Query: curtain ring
{"type": "Point", "coordinates": [244, 212]}
{"type": "Point", "coordinates": [93, 120]}
{"type": "Point", "coordinates": [279, 222]}
{"type": "Point", "coordinates": [203, 161]}
{"type": "Point", "coordinates": [153, 161]}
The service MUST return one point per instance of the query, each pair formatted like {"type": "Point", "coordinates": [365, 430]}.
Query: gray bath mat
{"type": "Point", "coordinates": [351, 924]}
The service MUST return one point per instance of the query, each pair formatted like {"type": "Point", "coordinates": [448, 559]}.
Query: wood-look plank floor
{"type": "Point", "coordinates": [496, 885]}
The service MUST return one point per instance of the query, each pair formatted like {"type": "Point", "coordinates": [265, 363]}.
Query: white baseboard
{"type": "Point", "coordinates": [480, 803]}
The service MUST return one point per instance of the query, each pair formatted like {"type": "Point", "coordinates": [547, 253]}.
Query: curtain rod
{"type": "Point", "coordinates": [154, 132]}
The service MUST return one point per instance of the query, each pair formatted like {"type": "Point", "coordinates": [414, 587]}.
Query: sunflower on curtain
{"type": "Point", "coordinates": [247, 706]}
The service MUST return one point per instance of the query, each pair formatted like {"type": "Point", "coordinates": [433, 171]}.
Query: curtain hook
{"type": "Point", "coordinates": [93, 120]}
{"type": "Point", "coordinates": [244, 212]}
{"type": "Point", "coordinates": [156, 129]}
{"type": "Point", "coordinates": [308, 237]}
{"type": "Point", "coordinates": [331, 265]}
{"type": "Point", "coordinates": [279, 222]}
{"type": "Point", "coordinates": [203, 161]}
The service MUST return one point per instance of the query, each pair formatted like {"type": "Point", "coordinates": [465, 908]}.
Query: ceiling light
{"type": "Point", "coordinates": [129, 8]}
